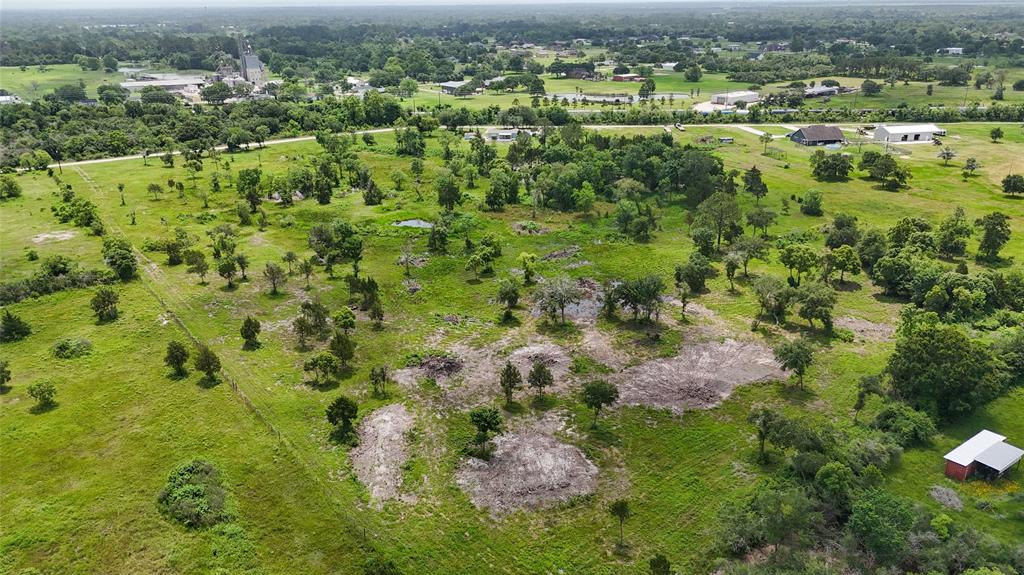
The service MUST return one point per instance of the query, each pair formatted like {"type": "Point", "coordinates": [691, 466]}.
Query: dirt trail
{"type": "Point", "coordinates": [383, 449]}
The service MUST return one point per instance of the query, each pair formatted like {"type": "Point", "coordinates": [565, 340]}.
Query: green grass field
{"type": "Point", "coordinates": [31, 84]}
{"type": "Point", "coordinates": [89, 470]}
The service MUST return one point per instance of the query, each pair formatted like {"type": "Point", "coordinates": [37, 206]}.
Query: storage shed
{"type": "Point", "coordinates": [986, 454]}
{"type": "Point", "coordinates": [908, 134]}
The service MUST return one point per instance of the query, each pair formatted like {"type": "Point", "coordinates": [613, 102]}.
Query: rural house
{"type": "Point", "coordinates": [628, 78]}
{"type": "Point", "coordinates": [908, 134]}
{"type": "Point", "coordinates": [986, 454]}
{"type": "Point", "coordinates": [818, 136]}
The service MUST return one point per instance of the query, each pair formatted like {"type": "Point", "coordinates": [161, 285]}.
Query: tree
{"type": "Point", "coordinates": [342, 346]}
{"type": "Point", "coordinates": [487, 421]}
{"type": "Point", "coordinates": [882, 523]}
{"type": "Point", "coordinates": [250, 332]}
{"type": "Point", "coordinates": [597, 394]}
{"type": "Point", "coordinates": [196, 264]}
{"type": "Point", "coordinates": [511, 380]}
{"type": "Point", "coordinates": [995, 232]}
{"type": "Point", "coordinates": [448, 194]}
{"type": "Point", "coordinates": [43, 392]}
{"type": "Point", "coordinates": [1013, 184]}
{"type": "Point", "coordinates": [379, 380]}
{"type": "Point", "coordinates": [695, 272]}
{"type": "Point", "coordinates": [508, 293]}
{"type": "Point", "coordinates": [870, 88]}
{"type": "Point", "coordinates": [104, 304]}
{"type": "Point", "coordinates": [206, 361]}
{"type": "Point", "coordinates": [795, 356]}
{"type": "Point", "coordinates": [323, 366]}
{"type": "Point", "coordinates": [733, 262]}
{"type": "Point", "coordinates": [906, 424]}
{"type": "Point", "coordinates": [341, 412]}
{"type": "Point", "coordinates": [941, 370]}
{"type": "Point", "coordinates": [307, 268]}
{"type": "Point", "coordinates": [750, 248]}
{"type": "Point", "coordinates": [554, 295]}
{"type": "Point", "coordinates": [620, 510]}
{"type": "Point", "coordinates": [289, 259]}
{"type": "Point", "coordinates": [830, 167]}
{"type": "Point", "coordinates": [693, 73]}
{"type": "Point", "coordinates": [996, 134]}
{"type": "Point", "coordinates": [754, 185]}
{"type": "Point", "coordinates": [846, 260]}
{"type": "Point", "coordinates": [767, 421]}
{"type": "Point", "coordinates": [345, 319]}
{"type": "Point", "coordinates": [242, 261]}
{"type": "Point", "coordinates": [177, 357]}
{"type": "Point", "coordinates": [721, 211]}
{"type": "Point", "coordinates": [227, 268]}
{"type": "Point", "coordinates": [946, 154]}
{"type": "Point", "coordinates": [276, 275]}
{"type": "Point", "coordinates": [800, 258]}
{"type": "Point", "coordinates": [216, 93]}
{"type": "Point", "coordinates": [765, 138]}
{"type": "Point", "coordinates": [540, 377]}
{"type": "Point", "coordinates": [13, 328]}
{"type": "Point", "coordinates": [816, 303]}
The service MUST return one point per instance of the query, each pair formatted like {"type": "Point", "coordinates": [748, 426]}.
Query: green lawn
{"type": "Point", "coordinates": [646, 455]}
{"type": "Point", "coordinates": [31, 84]}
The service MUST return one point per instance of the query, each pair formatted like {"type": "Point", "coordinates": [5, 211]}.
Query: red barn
{"type": "Point", "coordinates": [986, 453]}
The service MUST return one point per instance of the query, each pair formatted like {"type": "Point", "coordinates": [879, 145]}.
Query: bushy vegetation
{"type": "Point", "coordinates": [194, 495]}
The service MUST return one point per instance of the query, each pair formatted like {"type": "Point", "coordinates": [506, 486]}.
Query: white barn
{"type": "Point", "coordinates": [730, 98]}
{"type": "Point", "coordinates": [908, 134]}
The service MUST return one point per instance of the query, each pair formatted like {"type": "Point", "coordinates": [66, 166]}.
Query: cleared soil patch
{"type": "Point", "coordinates": [382, 450]}
{"type": "Point", "coordinates": [48, 237]}
{"type": "Point", "coordinates": [701, 376]}
{"type": "Point", "coordinates": [529, 469]}
{"type": "Point", "coordinates": [865, 329]}
{"type": "Point", "coordinates": [468, 376]}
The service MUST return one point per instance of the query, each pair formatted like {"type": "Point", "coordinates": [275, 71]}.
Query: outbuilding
{"type": "Point", "coordinates": [453, 86]}
{"type": "Point", "coordinates": [731, 98]}
{"type": "Point", "coordinates": [908, 134]}
{"type": "Point", "coordinates": [986, 454]}
{"type": "Point", "coordinates": [818, 136]}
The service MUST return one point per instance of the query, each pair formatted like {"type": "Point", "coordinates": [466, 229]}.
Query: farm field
{"type": "Point", "coordinates": [121, 424]}
{"type": "Point", "coordinates": [31, 84]}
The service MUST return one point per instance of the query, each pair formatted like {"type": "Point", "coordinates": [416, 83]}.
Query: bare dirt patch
{"type": "Point", "coordinates": [468, 376]}
{"type": "Point", "coordinates": [564, 253]}
{"type": "Point", "coordinates": [865, 329]}
{"type": "Point", "coordinates": [383, 449]}
{"type": "Point", "coordinates": [700, 376]}
{"type": "Point", "coordinates": [529, 469]}
{"type": "Point", "coordinates": [48, 237]}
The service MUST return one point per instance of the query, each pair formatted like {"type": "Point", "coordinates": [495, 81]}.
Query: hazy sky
{"type": "Point", "coordinates": [99, 4]}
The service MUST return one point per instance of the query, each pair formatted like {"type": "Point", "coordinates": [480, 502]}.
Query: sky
{"type": "Point", "coordinates": [101, 4]}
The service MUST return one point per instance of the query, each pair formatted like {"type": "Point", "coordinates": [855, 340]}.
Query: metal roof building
{"type": "Point", "coordinates": [986, 453]}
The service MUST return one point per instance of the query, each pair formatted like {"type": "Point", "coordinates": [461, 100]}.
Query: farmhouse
{"type": "Point", "coordinates": [628, 78]}
{"type": "Point", "coordinates": [504, 134]}
{"type": "Point", "coordinates": [730, 98]}
{"type": "Point", "coordinates": [818, 136]}
{"type": "Point", "coordinates": [453, 86]}
{"type": "Point", "coordinates": [986, 454]}
{"type": "Point", "coordinates": [908, 134]}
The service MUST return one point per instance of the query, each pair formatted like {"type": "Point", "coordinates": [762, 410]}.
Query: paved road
{"type": "Point", "coordinates": [744, 127]}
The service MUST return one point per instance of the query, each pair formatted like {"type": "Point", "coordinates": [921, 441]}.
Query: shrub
{"type": "Point", "coordinates": [70, 348]}
{"type": "Point", "coordinates": [906, 424]}
{"type": "Point", "coordinates": [811, 204]}
{"type": "Point", "coordinates": [43, 392]}
{"type": "Point", "coordinates": [13, 328]}
{"type": "Point", "coordinates": [194, 495]}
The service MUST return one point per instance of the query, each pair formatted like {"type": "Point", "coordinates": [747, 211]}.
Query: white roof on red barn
{"type": "Point", "coordinates": [1000, 456]}
{"type": "Point", "coordinates": [967, 452]}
